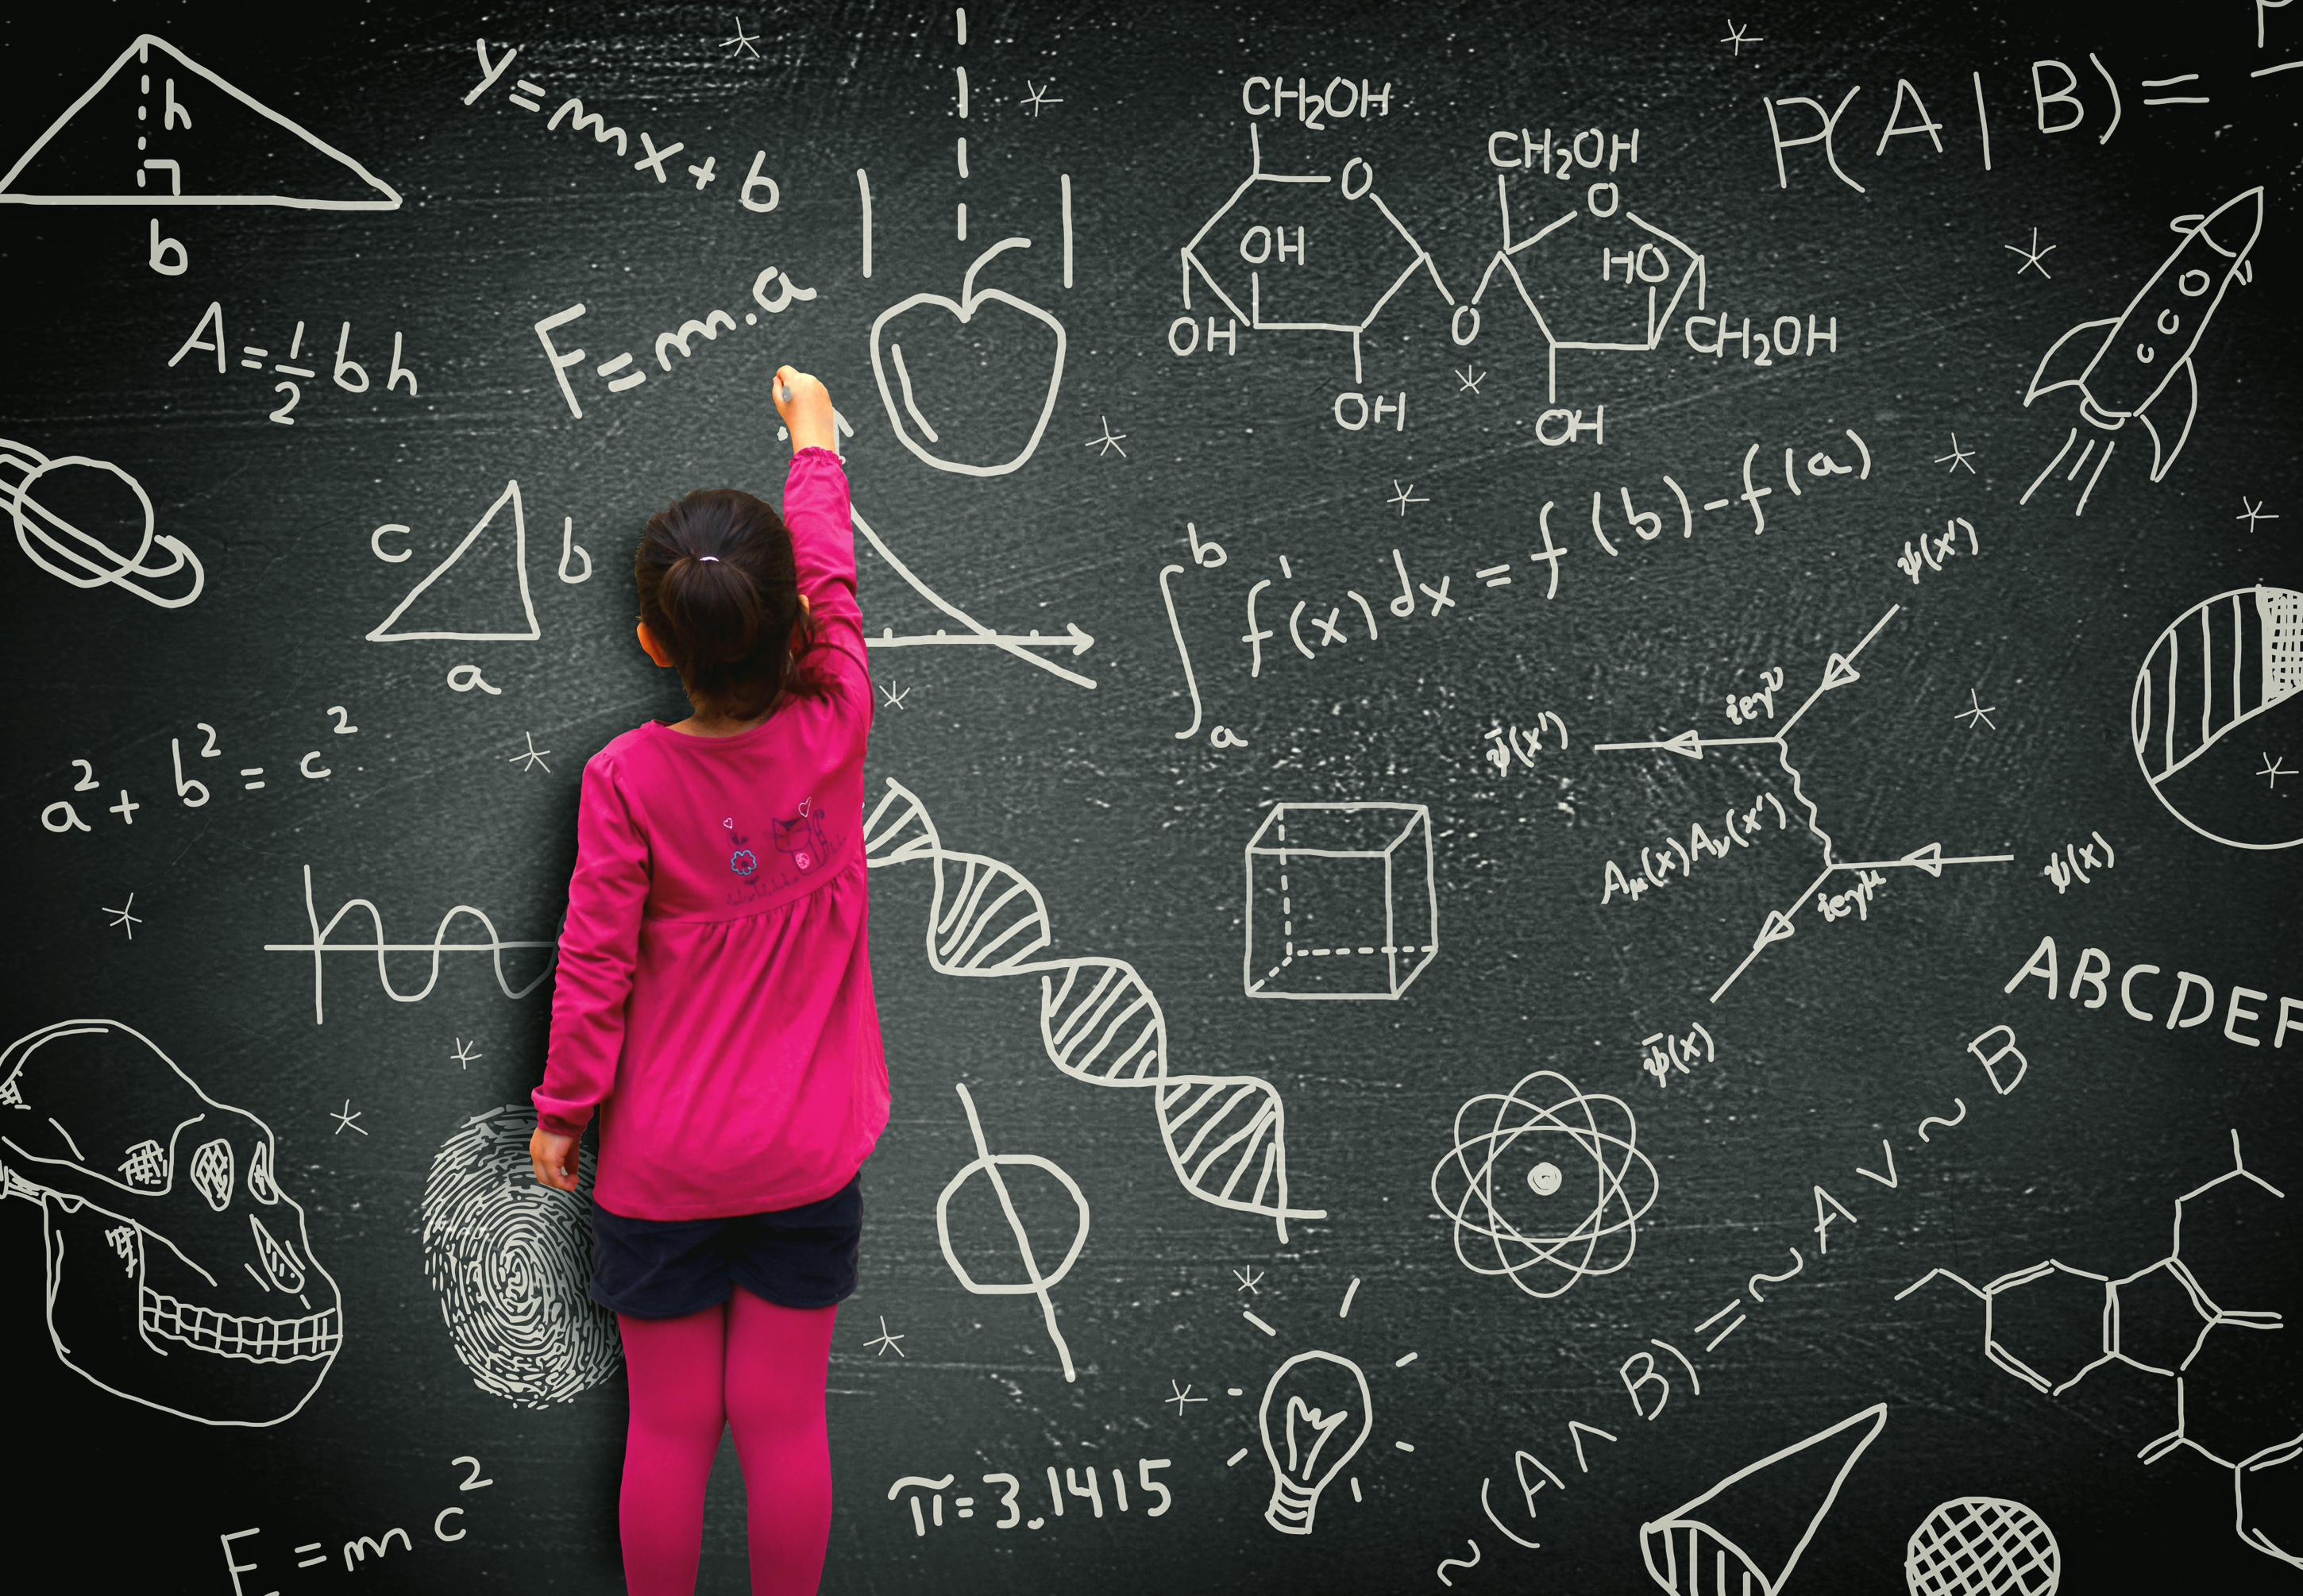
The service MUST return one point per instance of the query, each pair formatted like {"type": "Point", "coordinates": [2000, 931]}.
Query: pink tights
{"type": "Point", "coordinates": [760, 1368]}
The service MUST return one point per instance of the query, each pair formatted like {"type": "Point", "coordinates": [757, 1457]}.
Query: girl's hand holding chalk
{"type": "Point", "coordinates": [806, 408]}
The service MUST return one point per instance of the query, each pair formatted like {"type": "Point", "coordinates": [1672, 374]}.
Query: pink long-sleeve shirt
{"type": "Point", "coordinates": [713, 1002]}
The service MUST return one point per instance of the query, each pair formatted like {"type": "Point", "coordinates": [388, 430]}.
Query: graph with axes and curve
{"type": "Point", "coordinates": [977, 635]}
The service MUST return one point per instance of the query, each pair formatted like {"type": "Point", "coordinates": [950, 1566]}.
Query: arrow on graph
{"type": "Point", "coordinates": [1774, 929]}
{"type": "Point", "coordinates": [1074, 640]}
{"type": "Point", "coordinates": [1837, 672]}
{"type": "Point", "coordinates": [1929, 858]}
{"type": "Point", "coordinates": [1686, 745]}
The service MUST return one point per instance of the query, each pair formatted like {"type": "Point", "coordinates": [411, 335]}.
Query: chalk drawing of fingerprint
{"type": "Point", "coordinates": [1227, 1135]}
{"type": "Point", "coordinates": [1553, 1186]}
{"type": "Point", "coordinates": [512, 1261]}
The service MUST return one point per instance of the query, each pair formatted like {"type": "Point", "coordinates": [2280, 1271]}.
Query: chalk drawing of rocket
{"type": "Point", "coordinates": [2140, 367]}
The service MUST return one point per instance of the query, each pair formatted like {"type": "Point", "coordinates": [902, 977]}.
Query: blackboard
{"type": "Point", "coordinates": [1639, 662]}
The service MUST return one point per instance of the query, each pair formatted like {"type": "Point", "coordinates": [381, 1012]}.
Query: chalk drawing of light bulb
{"type": "Point", "coordinates": [1325, 1414]}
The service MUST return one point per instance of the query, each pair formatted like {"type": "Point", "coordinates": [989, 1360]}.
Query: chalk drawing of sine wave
{"type": "Point", "coordinates": [1225, 1135]}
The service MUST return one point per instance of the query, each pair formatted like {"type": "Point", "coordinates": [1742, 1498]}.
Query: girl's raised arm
{"type": "Point", "coordinates": [815, 500]}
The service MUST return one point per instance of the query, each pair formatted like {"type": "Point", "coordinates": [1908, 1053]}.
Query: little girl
{"type": "Point", "coordinates": [714, 1006]}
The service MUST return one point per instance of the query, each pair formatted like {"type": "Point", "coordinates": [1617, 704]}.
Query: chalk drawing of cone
{"type": "Point", "coordinates": [1734, 1540]}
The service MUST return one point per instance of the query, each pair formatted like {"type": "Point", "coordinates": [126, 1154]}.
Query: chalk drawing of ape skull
{"type": "Point", "coordinates": [178, 1272]}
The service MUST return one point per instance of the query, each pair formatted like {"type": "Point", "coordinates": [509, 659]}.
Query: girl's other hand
{"type": "Point", "coordinates": [805, 406]}
{"type": "Point", "coordinates": [555, 1158]}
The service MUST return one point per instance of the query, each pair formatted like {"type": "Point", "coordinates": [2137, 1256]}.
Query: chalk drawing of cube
{"type": "Point", "coordinates": [1341, 901]}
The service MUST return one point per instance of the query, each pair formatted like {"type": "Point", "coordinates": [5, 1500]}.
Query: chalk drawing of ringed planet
{"type": "Point", "coordinates": [62, 549]}
{"type": "Point", "coordinates": [2217, 712]}
{"type": "Point", "coordinates": [1545, 1183]}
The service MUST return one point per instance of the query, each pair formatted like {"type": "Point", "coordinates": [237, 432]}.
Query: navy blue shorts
{"type": "Point", "coordinates": [802, 1257]}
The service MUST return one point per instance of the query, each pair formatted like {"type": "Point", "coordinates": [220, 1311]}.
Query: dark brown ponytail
{"type": "Point", "coordinates": [719, 588]}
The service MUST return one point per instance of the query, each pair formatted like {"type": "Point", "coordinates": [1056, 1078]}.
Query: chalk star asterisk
{"type": "Point", "coordinates": [1109, 440]}
{"type": "Point", "coordinates": [1469, 380]}
{"type": "Point", "coordinates": [742, 41]}
{"type": "Point", "coordinates": [126, 921]}
{"type": "Point", "coordinates": [532, 757]}
{"type": "Point", "coordinates": [2033, 255]}
{"type": "Point", "coordinates": [2254, 513]}
{"type": "Point", "coordinates": [1403, 497]}
{"type": "Point", "coordinates": [884, 1341]}
{"type": "Point", "coordinates": [895, 700]}
{"type": "Point", "coordinates": [1247, 1278]}
{"type": "Point", "coordinates": [464, 1055]}
{"type": "Point", "coordinates": [1958, 456]}
{"type": "Point", "coordinates": [2275, 771]}
{"type": "Point", "coordinates": [344, 1120]}
{"type": "Point", "coordinates": [1738, 38]}
{"type": "Point", "coordinates": [1980, 712]}
{"type": "Point", "coordinates": [1039, 97]}
{"type": "Point", "coordinates": [1180, 1398]}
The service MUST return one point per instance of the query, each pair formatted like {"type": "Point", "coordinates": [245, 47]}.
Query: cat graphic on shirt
{"type": "Point", "coordinates": [801, 838]}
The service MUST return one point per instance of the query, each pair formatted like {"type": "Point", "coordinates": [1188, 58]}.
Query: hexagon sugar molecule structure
{"type": "Point", "coordinates": [1315, 252]}
{"type": "Point", "coordinates": [2051, 1325]}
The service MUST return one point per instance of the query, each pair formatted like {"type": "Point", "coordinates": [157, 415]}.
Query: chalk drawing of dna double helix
{"type": "Point", "coordinates": [1098, 1021]}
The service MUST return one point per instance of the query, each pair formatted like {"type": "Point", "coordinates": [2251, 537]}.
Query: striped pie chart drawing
{"type": "Point", "coordinates": [2217, 719]}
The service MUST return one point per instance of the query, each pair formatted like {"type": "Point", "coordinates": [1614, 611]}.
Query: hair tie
{"type": "Point", "coordinates": [714, 559]}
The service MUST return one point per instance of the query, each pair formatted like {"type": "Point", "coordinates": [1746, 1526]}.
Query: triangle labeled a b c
{"type": "Point", "coordinates": [466, 597]}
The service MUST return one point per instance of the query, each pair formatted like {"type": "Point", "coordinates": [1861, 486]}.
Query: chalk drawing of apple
{"type": "Point", "coordinates": [888, 350]}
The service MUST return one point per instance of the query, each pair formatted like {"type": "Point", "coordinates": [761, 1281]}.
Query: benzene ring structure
{"type": "Point", "coordinates": [1545, 1116]}
{"type": "Point", "coordinates": [2125, 1331]}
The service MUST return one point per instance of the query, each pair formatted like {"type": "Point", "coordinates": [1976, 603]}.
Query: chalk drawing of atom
{"type": "Point", "coordinates": [1545, 1183]}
